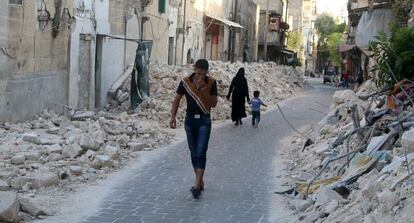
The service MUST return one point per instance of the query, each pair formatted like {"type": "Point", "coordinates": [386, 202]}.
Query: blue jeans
{"type": "Point", "coordinates": [255, 117]}
{"type": "Point", "coordinates": [198, 130]}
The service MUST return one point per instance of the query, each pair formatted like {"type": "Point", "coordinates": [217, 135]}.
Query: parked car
{"type": "Point", "coordinates": [328, 75]}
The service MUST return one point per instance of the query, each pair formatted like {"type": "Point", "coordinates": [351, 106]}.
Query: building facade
{"type": "Point", "coordinates": [65, 55]}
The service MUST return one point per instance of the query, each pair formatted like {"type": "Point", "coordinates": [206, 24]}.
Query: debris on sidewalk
{"type": "Point", "coordinates": [361, 164]}
{"type": "Point", "coordinates": [54, 153]}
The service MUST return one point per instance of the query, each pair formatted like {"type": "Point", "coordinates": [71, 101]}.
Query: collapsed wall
{"type": "Point", "coordinates": [360, 167]}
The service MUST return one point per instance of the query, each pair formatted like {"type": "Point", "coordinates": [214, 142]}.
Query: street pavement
{"type": "Point", "coordinates": [241, 174]}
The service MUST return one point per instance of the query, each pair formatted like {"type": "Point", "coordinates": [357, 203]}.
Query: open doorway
{"type": "Point", "coordinates": [98, 70]}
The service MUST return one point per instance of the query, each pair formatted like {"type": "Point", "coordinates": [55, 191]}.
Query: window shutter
{"type": "Point", "coordinates": [162, 5]}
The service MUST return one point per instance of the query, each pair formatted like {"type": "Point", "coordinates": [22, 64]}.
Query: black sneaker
{"type": "Point", "coordinates": [241, 123]}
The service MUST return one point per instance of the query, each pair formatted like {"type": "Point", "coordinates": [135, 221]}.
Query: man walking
{"type": "Point", "coordinates": [200, 92]}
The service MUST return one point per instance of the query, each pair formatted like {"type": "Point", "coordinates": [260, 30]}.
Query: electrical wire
{"type": "Point", "coordinates": [289, 123]}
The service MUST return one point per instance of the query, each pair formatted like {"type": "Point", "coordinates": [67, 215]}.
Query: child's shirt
{"type": "Point", "coordinates": [256, 102]}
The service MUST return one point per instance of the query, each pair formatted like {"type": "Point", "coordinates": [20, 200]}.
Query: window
{"type": "Point", "coordinates": [15, 2]}
{"type": "Point", "coordinates": [162, 6]}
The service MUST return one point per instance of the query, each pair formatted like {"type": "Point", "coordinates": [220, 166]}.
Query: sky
{"type": "Point", "coordinates": [336, 8]}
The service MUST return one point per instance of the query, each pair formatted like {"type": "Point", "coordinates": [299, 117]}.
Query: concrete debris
{"type": "Point", "coordinates": [343, 96]}
{"type": "Point", "coordinates": [72, 151]}
{"type": "Point", "coordinates": [18, 159]}
{"type": "Point", "coordinates": [9, 207]}
{"type": "Point", "coordinates": [326, 195]}
{"type": "Point", "coordinates": [30, 207]}
{"type": "Point", "coordinates": [361, 164]}
{"type": "Point", "coordinates": [31, 137]}
{"type": "Point", "coordinates": [407, 141]}
{"type": "Point", "coordinates": [36, 180]}
{"type": "Point", "coordinates": [76, 170]}
{"type": "Point", "coordinates": [4, 186]}
{"type": "Point", "coordinates": [54, 152]}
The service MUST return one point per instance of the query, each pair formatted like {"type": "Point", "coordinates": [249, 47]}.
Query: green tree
{"type": "Point", "coordinates": [325, 25]}
{"type": "Point", "coordinates": [332, 43]}
{"type": "Point", "coordinates": [295, 41]}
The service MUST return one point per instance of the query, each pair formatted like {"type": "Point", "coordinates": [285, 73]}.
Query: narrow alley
{"type": "Point", "coordinates": [241, 176]}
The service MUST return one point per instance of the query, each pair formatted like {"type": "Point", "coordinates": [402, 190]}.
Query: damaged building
{"type": "Point", "coordinates": [65, 55]}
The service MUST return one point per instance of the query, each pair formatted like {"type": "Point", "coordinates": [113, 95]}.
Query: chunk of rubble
{"type": "Point", "coordinates": [72, 151]}
{"type": "Point", "coordinates": [136, 146]}
{"type": "Point", "coordinates": [407, 141]}
{"type": "Point", "coordinates": [104, 161]}
{"type": "Point", "coordinates": [343, 96]}
{"type": "Point", "coordinates": [326, 195]}
{"type": "Point", "coordinates": [30, 207]}
{"type": "Point", "coordinates": [18, 159]}
{"type": "Point", "coordinates": [76, 170]}
{"type": "Point", "coordinates": [301, 205]}
{"type": "Point", "coordinates": [4, 186]}
{"type": "Point", "coordinates": [31, 137]}
{"type": "Point", "coordinates": [36, 180]}
{"type": "Point", "coordinates": [9, 207]}
{"type": "Point", "coordinates": [32, 156]}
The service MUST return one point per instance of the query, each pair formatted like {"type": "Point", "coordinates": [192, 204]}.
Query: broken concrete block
{"type": "Point", "coordinates": [88, 142]}
{"type": "Point", "coordinates": [321, 149]}
{"type": "Point", "coordinates": [331, 206]}
{"type": "Point", "coordinates": [407, 141]}
{"type": "Point", "coordinates": [53, 130]}
{"type": "Point", "coordinates": [135, 146]}
{"type": "Point", "coordinates": [72, 151]}
{"type": "Point", "coordinates": [37, 180]}
{"type": "Point", "coordinates": [31, 137]}
{"type": "Point", "coordinates": [104, 161]}
{"type": "Point", "coordinates": [343, 96]}
{"type": "Point", "coordinates": [54, 157]}
{"type": "Point", "coordinates": [55, 148]}
{"type": "Point", "coordinates": [326, 195]}
{"type": "Point", "coordinates": [302, 205]}
{"type": "Point", "coordinates": [29, 207]}
{"type": "Point", "coordinates": [9, 207]}
{"type": "Point", "coordinates": [90, 154]}
{"type": "Point", "coordinates": [18, 159]}
{"type": "Point", "coordinates": [388, 200]}
{"type": "Point", "coordinates": [123, 139]}
{"type": "Point", "coordinates": [303, 176]}
{"type": "Point", "coordinates": [314, 216]}
{"type": "Point", "coordinates": [111, 151]}
{"type": "Point", "coordinates": [32, 156]}
{"type": "Point", "coordinates": [4, 186]}
{"type": "Point", "coordinates": [76, 170]}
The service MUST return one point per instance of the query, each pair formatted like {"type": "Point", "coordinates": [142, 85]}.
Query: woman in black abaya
{"type": "Point", "coordinates": [239, 91]}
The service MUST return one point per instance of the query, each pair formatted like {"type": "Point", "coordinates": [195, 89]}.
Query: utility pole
{"type": "Point", "coordinates": [266, 30]}
{"type": "Point", "coordinates": [184, 30]}
{"type": "Point", "coordinates": [233, 39]}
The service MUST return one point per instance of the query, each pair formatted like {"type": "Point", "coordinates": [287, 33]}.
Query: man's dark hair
{"type": "Point", "coordinates": [256, 94]}
{"type": "Point", "coordinates": [202, 64]}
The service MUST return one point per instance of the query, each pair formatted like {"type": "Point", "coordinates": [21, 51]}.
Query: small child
{"type": "Point", "coordinates": [256, 103]}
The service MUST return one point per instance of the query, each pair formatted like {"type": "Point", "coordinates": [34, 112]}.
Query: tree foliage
{"type": "Point", "coordinates": [295, 41]}
{"type": "Point", "coordinates": [401, 9]}
{"type": "Point", "coordinates": [332, 43]}
{"type": "Point", "coordinates": [394, 56]}
{"type": "Point", "coordinates": [330, 36]}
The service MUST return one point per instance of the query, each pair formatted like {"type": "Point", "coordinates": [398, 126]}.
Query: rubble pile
{"type": "Point", "coordinates": [54, 153]}
{"type": "Point", "coordinates": [273, 81]}
{"type": "Point", "coordinates": [360, 168]}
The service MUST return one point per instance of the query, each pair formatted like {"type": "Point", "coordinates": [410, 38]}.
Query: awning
{"type": "Point", "coordinates": [345, 47]}
{"type": "Point", "coordinates": [225, 21]}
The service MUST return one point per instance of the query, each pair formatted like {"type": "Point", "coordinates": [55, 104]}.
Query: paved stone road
{"type": "Point", "coordinates": [240, 176]}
